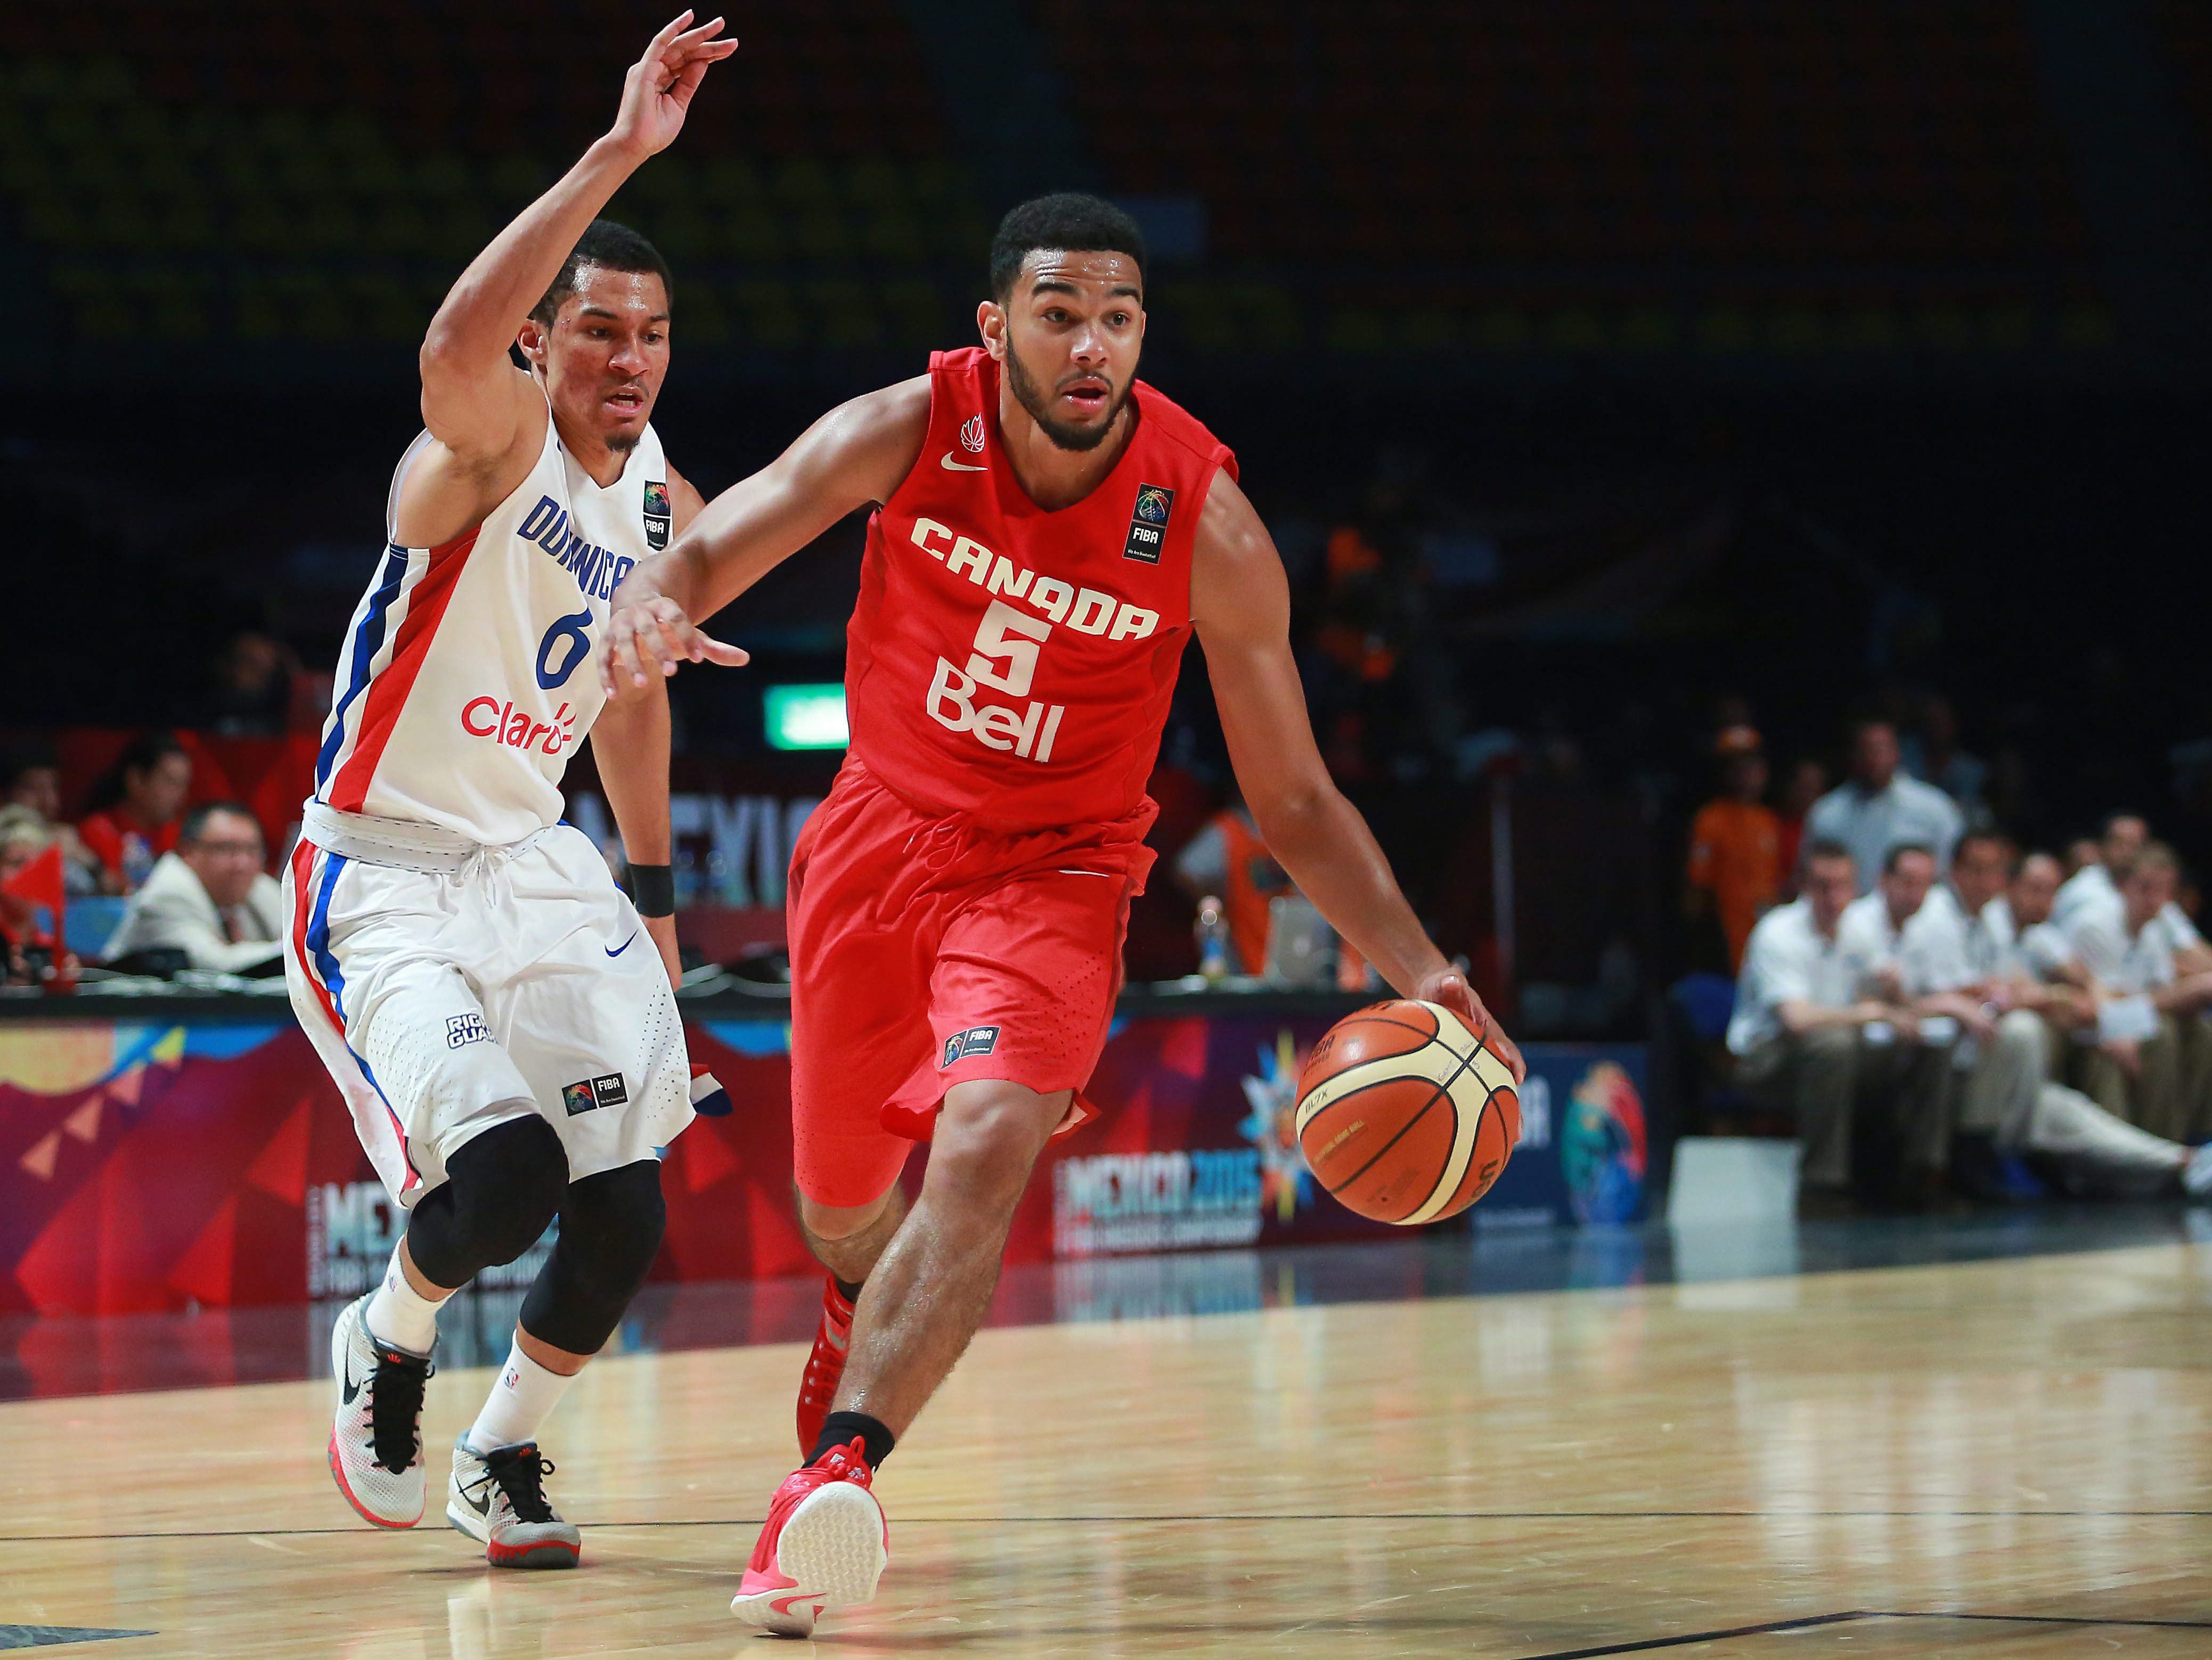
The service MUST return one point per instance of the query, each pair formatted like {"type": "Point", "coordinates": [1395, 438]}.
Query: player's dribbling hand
{"type": "Point", "coordinates": [1448, 988]}
{"type": "Point", "coordinates": [656, 631]}
{"type": "Point", "coordinates": [658, 89]}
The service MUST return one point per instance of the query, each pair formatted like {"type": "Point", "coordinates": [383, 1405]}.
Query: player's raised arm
{"type": "Point", "coordinates": [855, 454]}
{"type": "Point", "coordinates": [485, 415]}
{"type": "Point", "coordinates": [1240, 602]}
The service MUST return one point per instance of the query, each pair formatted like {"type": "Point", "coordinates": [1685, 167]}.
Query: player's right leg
{"type": "Point", "coordinates": [434, 1099]}
{"type": "Point", "coordinates": [503, 1187]}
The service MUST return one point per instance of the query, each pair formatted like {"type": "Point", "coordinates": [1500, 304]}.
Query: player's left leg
{"type": "Point", "coordinates": [586, 1010]}
{"type": "Point", "coordinates": [610, 1228]}
{"type": "Point", "coordinates": [825, 1541]}
{"type": "Point", "coordinates": [1021, 995]}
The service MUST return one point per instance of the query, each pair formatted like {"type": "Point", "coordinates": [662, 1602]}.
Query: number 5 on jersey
{"type": "Point", "coordinates": [1005, 659]}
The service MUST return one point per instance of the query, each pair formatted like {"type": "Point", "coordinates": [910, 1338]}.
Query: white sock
{"type": "Point", "coordinates": [523, 1398]}
{"type": "Point", "coordinates": [401, 1315]}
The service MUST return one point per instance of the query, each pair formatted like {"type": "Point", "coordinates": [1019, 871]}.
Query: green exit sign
{"type": "Point", "coordinates": [806, 718]}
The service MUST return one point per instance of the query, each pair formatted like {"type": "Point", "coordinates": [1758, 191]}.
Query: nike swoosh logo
{"type": "Point", "coordinates": [351, 1388]}
{"type": "Point", "coordinates": [481, 1506]}
{"type": "Point", "coordinates": [951, 465]}
{"type": "Point", "coordinates": [625, 945]}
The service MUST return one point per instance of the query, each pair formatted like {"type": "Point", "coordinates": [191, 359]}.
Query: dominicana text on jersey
{"type": "Point", "coordinates": [466, 680]}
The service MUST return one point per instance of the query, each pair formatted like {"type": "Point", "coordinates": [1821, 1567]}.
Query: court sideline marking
{"type": "Point", "coordinates": [1092, 1521]}
{"type": "Point", "coordinates": [1850, 1616]}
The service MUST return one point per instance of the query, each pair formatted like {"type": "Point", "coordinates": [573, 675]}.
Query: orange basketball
{"type": "Point", "coordinates": [1404, 1115]}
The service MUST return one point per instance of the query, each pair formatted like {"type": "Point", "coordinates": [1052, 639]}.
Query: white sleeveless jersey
{"type": "Point", "coordinates": [467, 680]}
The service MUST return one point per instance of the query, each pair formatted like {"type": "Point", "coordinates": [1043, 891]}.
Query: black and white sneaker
{"type": "Point", "coordinates": [376, 1442]}
{"type": "Point", "coordinates": [499, 1498]}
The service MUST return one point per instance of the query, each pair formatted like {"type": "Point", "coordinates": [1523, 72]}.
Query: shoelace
{"type": "Point", "coordinates": [395, 1407]}
{"type": "Point", "coordinates": [521, 1472]}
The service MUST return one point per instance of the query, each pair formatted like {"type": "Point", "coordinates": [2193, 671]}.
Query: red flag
{"type": "Point", "coordinates": [41, 881]}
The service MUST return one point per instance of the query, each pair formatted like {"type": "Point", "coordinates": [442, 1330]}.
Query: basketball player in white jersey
{"type": "Point", "coordinates": [500, 1018]}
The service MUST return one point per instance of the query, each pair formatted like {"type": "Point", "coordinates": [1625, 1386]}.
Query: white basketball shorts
{"type": "Point", "coordinates": [450, 986]}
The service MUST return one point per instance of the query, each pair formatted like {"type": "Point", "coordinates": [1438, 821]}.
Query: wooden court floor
{"type": "Point", "coordinates": [2002, 1458]}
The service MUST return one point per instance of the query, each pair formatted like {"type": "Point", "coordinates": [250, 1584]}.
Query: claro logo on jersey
{"type": "Point", "coordinates": [1008, 641]}
{"type": "Point", "coordinates": [512, 728]}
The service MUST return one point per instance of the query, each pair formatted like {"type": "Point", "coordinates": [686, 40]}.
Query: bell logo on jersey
{"type": "Point", "coordinates": [512, 728]}
{"type": "Point", "coordinates": [1148, 524]}
{"type": "Point", "coordinates": [657, 519]}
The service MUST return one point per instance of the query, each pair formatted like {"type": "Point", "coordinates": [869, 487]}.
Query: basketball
{"type": "Point", "coordinates": [1404, 1115]}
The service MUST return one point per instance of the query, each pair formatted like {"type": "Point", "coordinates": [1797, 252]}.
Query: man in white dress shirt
{"type": "Point", "coordinates": [1808, 1038]}
{"type": "Point", "coordinates": [1878, 807]}
{"type": "Point", "coordinates": [210, 898]}
{"type": "Point", "coordinates": [2089, 901]}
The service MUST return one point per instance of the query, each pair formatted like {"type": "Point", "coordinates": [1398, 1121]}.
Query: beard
{"type": "Point", "coordinates": [1064, 435]}
{"type": "Point", "coordinates": [622, 443]}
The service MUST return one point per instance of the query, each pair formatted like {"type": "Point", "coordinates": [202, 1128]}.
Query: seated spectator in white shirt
{"type": "Point", "coordinates": [2090, 899]}
{"type": "Point", "coordinates": [1878, 807]}
{"type": "Point", "coordinates": [2030, 948]}
{"type": "Point", "coordinates": [1961, 956]}
{"type": "Point", "coordinates": [1801, 1029]}
{"type": "Point", "coordinates": [2154, 1065]}
{"type": "Point", "coordinates": [210, 898]}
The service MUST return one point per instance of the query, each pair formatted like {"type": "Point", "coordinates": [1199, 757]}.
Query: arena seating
{"type": "Point", "coordinates": [1725, 175]}
{"type": "Point", "coordinates": [173, 201]}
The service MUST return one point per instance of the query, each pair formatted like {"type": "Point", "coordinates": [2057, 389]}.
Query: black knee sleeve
{"type": "Point", "coordinates": [502, 1188]}
{"type": "Point", "coordinates": [610, 1229]}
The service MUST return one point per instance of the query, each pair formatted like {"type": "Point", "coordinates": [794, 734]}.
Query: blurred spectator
{"type": "Point", "coordinates": [1888, 934]}
{"type": "Point", "coordinates": [1808, 783]}
{"type": "Point", "coordinates": [32, 954]}
{"type": "Point", "coordinates": [2029, 945]}
{"type": "Point", "coordinates": [2151, 1063]}
{"type": "Point", "coordinates": [1934, 758]}
{"type": "Point", "coordinates": [1878, 807]}
{"type": "Point", "coordinates": [2081, 852]}
{"type": "Point", "coordinates": [253, 687]}
{"type": "Point", "coordinates": [31, 776]}
{"type": "Point", "coordinates": [1807, 1041]}
{"type": "Point", "coordinates": [210, 899]}
{"type": "Point", "coordinates": [2090, 901]}
{"type": "Point", "coordinates": [1735, 846]}
{"type": "Point", "coordinates": [135, 819]}
{"type": "Point", "coordinates": [1228, 860]}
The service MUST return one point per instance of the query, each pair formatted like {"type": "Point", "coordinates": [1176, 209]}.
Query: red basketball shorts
{"type": "Point", "coordinates": [928, 951]}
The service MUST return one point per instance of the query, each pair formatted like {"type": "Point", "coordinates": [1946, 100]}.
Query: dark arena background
{"type": "Point", "coordinates": [1696, 432]}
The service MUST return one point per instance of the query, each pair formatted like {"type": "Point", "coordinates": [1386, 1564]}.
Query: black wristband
{"type": "Point", "coordinates": [653, 890]}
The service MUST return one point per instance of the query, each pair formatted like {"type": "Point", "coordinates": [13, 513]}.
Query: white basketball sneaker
{"type": "Point", "coordinates": [376, 1444]}
{"type": "Point", "coordinates": [499, 1498]}
{"type": "Point", "coordinates": [2197, 1173]}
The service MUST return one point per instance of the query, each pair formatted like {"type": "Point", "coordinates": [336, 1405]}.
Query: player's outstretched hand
{"type": "Point", "coordinates": [1449, 987]}
{"type": "Point", "coordinates": [658, 89]}
{"type": "Point", "coordinates": [655, 632]}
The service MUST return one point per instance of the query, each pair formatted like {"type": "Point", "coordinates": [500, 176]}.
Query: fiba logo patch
{"type": "Point", "coordinates": [971, 434]}
{"type": "Point", "coordinates": [1148, 524]}
{"type": "Point", "coordinates": [657, 516]}
{"type": "Point", "coordinates": [977, 1040]}
{"type": "Point", "coordinates": [588, 1094]}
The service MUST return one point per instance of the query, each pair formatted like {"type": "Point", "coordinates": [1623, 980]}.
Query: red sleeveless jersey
{"type": "Point", "coordinates": [1012, 665]}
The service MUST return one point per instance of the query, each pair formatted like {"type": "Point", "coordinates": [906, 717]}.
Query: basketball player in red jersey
{"type": "Point", "coordinates": [1050, 531]}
